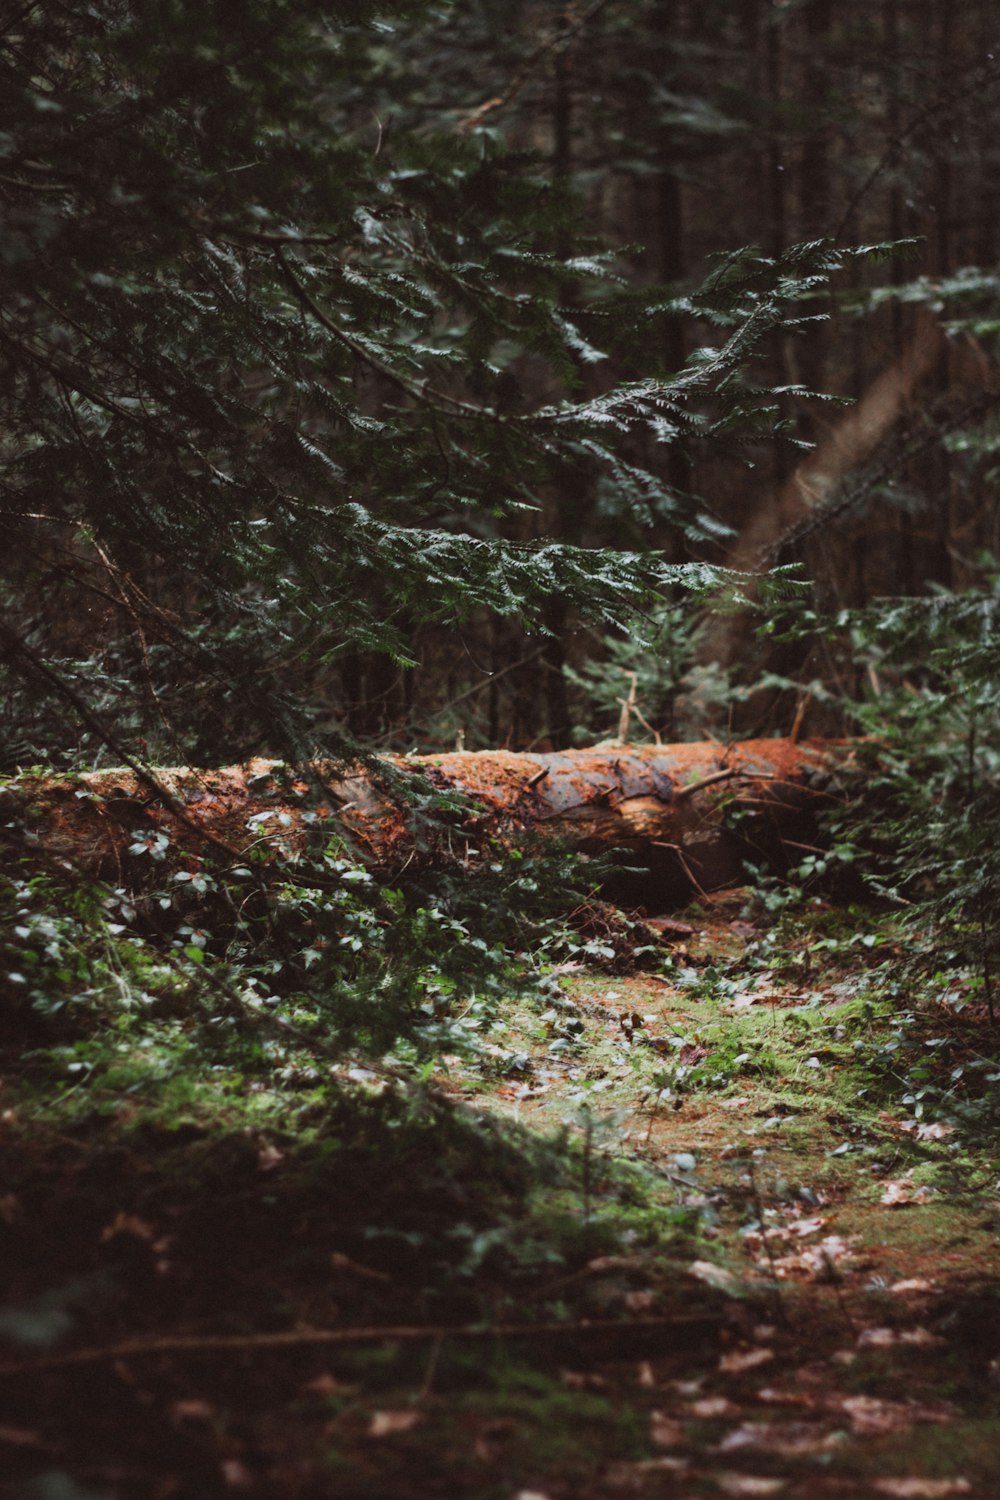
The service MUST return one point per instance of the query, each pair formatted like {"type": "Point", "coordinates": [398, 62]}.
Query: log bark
{"type": "Point", "coordinates": [690, 812]}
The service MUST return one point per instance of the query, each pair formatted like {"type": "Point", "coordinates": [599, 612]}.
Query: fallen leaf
{"type": "Point", "coordinates": [870, 1415]}
{"type": "Point", "coordinates": [10, 1209]}
{"type": "Point", "coordinates": [192, 1411]}
{"type": "Point", "coordinates": [687, 1388]}
{"type": "Point", "coordinates": [388, 1423]}
{"type": "Point", "coordinates": [772, 1397]}
{"type": "Point", "coordinates": [351, 1267]}
{"type": "Point", "coordinates": [920, 1336]}
{"type": "Point", "coordinates": [808, 1226]}
{"type": "Point", "coordinates": [922, 1489]}
{"type": "Point", "coordinates": [19, 1437]}
{"type": "Point", "coordinates": [715, 1276]}
{"type": "Point", "coordinates": [741, 1002]}
{"type": "Point", "coordinates": [934, 1131]}
{"type": "Point", "coordinates": [268, 1156]}
{"type": "Point", "coordinates": [710, 1408]}
{"type": "Point", "coordinates": [236, 1474]}
{"type": "Point", "coordinates": [877, 1338]}
{"type": "Point", "coordinates": [786, 1439]}
{"type": "Point", "coordinates": [903, 1193]}
{"type": "Point", "coordinates": [817, 1261]}
{"type": "Point", "coordinates": [666, 1431]}
{"type": "Point", "coordinates": [638, 1301]}
{"type": "Point", "coordinates": [886, 1338]}
{"type": "Point", "coordinates": [326, 1385]}
{"type": "Point", "coordinates": [629, 1476]}
{"type": "Point", "coordinates": [583, 1380]}
{"type": "Point", "coordinates": [668, 924]}
{"type": "Point", "coordinates": [127, 1224]}
{"type": "Point", "coordinates": [744, 1359]}
{"type": "Point", "coordinates": [492, 1439]}
{"type": "Point", "coordinates": [749, 1484]}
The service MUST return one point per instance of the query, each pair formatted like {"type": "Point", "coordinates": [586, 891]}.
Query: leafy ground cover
{"type": "Point", "coordinates": [724, 1227]}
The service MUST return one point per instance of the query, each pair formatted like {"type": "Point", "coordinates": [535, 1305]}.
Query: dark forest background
{"type": "Point", "coordinates": [228, 532]}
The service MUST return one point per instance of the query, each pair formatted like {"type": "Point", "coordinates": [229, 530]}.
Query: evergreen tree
{"type": "Point", "coordinates": [264, 390]}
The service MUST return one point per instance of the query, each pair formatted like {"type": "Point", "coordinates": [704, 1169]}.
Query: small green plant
{"type": "Point", "coordinates": [928, 798]}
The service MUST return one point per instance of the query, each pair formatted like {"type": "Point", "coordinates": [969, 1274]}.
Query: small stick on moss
{"type": "Point", "coordinates": [295, 1338]}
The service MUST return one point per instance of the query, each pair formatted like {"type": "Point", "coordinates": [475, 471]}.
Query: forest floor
{"type": "Point", "coordinates": [757, 1257]}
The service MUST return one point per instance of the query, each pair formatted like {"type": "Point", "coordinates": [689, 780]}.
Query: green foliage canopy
{"type": "Point", "coordinates": [264, 360]}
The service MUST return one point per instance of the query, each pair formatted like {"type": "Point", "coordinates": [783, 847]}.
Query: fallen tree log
{"type": "Point", "coordinates": [690, 812]}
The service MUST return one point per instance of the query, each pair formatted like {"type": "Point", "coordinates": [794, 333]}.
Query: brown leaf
{"type": "Point", "coordinates": [887, 1338]}
{"type": "Point", "coordinates": [19, 1437]}
{"type": "Point", "coordinates": [351, 1267]}
{"type": "Point", "coordinates": [808, 1226]}
{"type": "Point", "coordinates": [389, 1423]}
{"type": "Point", "coordinates": [326, 1385]}
{"type": "Point", "coordinates": [877, 1338]}
{"type": "Point", "coordinates": [715, 1276]}
{"type": "Point", "coordinates": [818, 1260]}
{"type": "Point", "coordinates": [236, 1474]}
{"type": "Point", "coordinates": [785, 1439]}
{"type": "Point", "coordinates": [739, 1360]}
{"type": "Point", "coordinates": [127, 1224]}
{"type": "Point", "coordinates": [665, 1431]}
{"type": "Point", "coordinates": [750, 1484]}
{"type": "Point", "coordinates": [268, 1156]}
{"type": "Point", "coordinates": [583, 1380]}
{"type": "Point", "coordinates": [710, 1408]}
{"type": "Point", "coordinates": [622, 1477]}
{"type": "Point", "coordinates": [870, 1415]}
{"type": "Point", "coordinates": [191, 1411]}
{"type": "Point", "coordinates": [773, 1397]}
{"type": "Point", "coordinates": [921, 1489]}
{"type": "Point", "coordinates": [903, 1193]}
{"type": "Point", "coordinates": [668, 924]}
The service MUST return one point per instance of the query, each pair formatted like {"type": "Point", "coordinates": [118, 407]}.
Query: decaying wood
{"type": "Point", "coordinates": [671, 805]}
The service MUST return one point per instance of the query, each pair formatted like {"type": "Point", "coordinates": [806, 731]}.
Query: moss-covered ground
{"type": "Point", "coordinates": [726, 1228]}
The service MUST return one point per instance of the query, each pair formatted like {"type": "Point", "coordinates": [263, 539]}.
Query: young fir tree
{"type": "Point", "coordinates": [262, 405]}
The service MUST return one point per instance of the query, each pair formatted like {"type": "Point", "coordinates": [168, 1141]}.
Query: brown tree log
{"type": "Point", "coordinates": [673, 806]}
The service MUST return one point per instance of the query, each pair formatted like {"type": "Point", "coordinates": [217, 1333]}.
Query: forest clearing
{"type": "Point", "coordinates": [499, 749]}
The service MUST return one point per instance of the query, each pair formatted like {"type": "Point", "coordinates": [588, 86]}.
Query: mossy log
{"type": "Point", "coordinates": [690, 812]}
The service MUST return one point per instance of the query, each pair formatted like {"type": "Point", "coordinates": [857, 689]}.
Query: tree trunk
{"type": "Point", "coordinates": [672, 806]}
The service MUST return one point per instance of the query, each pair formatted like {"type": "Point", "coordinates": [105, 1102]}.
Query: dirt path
{"type": "Point", "coordinates": [860, 1353]}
